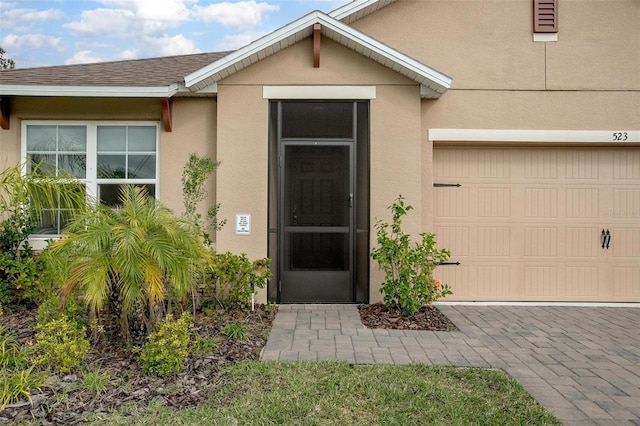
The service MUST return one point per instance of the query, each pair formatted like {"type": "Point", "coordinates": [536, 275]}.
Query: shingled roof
{"type": "Point", "coordinates": [153, 72]}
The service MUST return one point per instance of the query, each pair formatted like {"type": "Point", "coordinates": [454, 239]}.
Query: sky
{"type": "Point", "coordinates": [60, 32]}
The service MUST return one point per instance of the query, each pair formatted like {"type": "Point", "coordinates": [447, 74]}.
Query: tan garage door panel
{"type": "Point", "coordinates": [527, 223]}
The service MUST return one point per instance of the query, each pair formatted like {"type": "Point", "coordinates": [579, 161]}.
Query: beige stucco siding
{"type": "Point", "coordinates": [569, 110]}
{"type": "Point", "coordinates": [193, 131]}
{"type": "Point", "coordinates": [489, 44]}
{"type": "Point", "coordinates": [395, 138]}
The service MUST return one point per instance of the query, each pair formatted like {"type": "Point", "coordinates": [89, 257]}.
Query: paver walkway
{"type": "Point", "coordinates": [582, 363]}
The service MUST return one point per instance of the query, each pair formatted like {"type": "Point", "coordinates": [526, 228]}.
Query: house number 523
{"type": "Point", "coordinates": [620, 136]}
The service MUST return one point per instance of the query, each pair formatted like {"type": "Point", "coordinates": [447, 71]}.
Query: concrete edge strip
{"type": "Point", "coordinates": [574, 304]}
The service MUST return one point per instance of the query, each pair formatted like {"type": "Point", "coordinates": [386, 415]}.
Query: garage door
{"type": "Point", "coordinates": [532, 224]}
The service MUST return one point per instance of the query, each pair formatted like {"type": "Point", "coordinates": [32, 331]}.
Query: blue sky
{"type": "Point", "coordinates": [58, 32]}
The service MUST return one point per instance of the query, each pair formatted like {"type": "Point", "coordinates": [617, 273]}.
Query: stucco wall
{"type": "Point", "coordinates": [193, 130]}
{"type": "Point", "coordinates": [489, 44]}
{"type": "Point", "coordinates": [243, 138]}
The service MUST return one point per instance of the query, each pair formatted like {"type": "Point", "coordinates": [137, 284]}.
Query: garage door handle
{"type": "Point", "coordinates": [605, 239]}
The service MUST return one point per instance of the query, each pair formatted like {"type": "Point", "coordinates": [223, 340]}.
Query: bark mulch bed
{"type": "Point", "coordinates": [66, 400]}
{"type": "Point", "coordinates": [427, 318]}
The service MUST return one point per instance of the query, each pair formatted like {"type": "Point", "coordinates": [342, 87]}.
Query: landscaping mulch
{"type": "Point", "coordinates": [427, 318]}
{"type": "Point", "coordinates": [66, 400]}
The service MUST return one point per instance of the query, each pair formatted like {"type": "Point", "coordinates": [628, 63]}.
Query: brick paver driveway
{"type": "Point", "coordinates": [582, 363]}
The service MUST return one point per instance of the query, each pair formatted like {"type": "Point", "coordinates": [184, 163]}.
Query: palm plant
{"type": "Point", "coordinates": [35, 194]}
{"type": "Point", "coordinates": [136, 254]}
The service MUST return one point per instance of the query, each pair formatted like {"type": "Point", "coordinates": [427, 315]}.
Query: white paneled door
{"type": "Point", "coordinates": [539, 224]}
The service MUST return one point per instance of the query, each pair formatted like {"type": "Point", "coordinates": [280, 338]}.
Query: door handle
{"type": "Point", "coordinates": [605, 239]}
{"type": "Point", "coordinates": [351, 200]}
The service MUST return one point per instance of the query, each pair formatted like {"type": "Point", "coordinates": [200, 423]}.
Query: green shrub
{"type": "Point", "coordinates": [61, 344]}
{"type": "Point", "coordinates": [95, 382]}
{"type": "Point", "coordinates": [13, 355]}
{"type": "Point", "coordinates": [205, 345]}
{"type": "Point", "coordinates": [194, 175]}
{"type": "Point", "coordinates": [235, 330]}
{"type": "Point", "coordinates": [16, 385]}
{"type": "Point", "coordinates": [20, 268]}
{"type": "Point", "coordinates": [408, 268]}
{"type": "Point", "coordinates": [165, 350]}
{"type": "Point", "coordinates": [233, 278]}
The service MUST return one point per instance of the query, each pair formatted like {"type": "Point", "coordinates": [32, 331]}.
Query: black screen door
{"type": "Point", "coordinates": [316, 221]}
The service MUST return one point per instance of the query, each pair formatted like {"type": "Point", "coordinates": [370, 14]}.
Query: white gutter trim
{"type": "Point", "coordinates": [621, 136]}
{"type": "Point", "coordinates": [352, 8]}
{"type": "Point", "coordinates": [89, 91]}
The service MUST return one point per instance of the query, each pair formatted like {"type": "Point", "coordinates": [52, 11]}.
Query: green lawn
{"type": "Point", "coordinates": [336, 393]}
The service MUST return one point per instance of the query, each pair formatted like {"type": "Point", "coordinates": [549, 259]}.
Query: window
{"type": "Point", "coordinates": [102, 155]}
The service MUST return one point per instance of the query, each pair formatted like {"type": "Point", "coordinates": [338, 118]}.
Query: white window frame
{"type": "Point", "coordinates": [91, 181]}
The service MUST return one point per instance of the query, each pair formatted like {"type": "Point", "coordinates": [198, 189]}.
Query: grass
{"type": "Point", "coordinates": [337, 393]}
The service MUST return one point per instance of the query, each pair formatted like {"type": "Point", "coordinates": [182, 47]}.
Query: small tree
{"type": "Point", "coordinates": [194, 175]}
{"type": "Point", "coordinates": [408, 267]}
{"type": "Point", "coordinates": [131, 257]}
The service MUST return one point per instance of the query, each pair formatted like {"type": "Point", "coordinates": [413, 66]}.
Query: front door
{"type": "Point", "coordinates": [317, 221]}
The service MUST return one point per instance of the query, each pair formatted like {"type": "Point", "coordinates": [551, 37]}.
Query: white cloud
{"type": "Point", "coordinates": [84, 57]}
{"type": "Point", "coordinates": [159, 10]}
{"type": "Point", "coordinates": [103, 22]}
{"type": "Point", "coordinates": [12, 17]}
{"type": "Point", "coordinates": [169, 46]}
{"type": "Point", "coordinates": [243, 15]}
{"type": "Point", "coordinates": [29, 41]}
{"type": "Point", "coordinates": [236, 41]}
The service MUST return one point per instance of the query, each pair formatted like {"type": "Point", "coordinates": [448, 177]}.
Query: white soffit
{"type": "Point", "coordinates": [619, 136]}
{"type": "Point", "coordinates": [434, 82]}
{"type": "Point", "coordinates": [319, 92]}
{"type": "Point", "coordinates": [358, 9]}
{"type": "Point", "coordinates": [90, 91]}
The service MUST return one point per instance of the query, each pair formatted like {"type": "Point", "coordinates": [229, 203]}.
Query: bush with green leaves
{"type": "Point", "coordinates": [408, 267]}
{"type": "Point", "coordinates": [194, 176]}
{"type": "Point", "coordinates": [24, 197]}
{"type": "Point", "coordinates": [233, 278]}
{"type": "Point", "coordinates": [61, 344]}
{"type": "Point", "coordinates": [17, 377]}
{"type": "Point", "coordinates": [129, 260]}
{"type": "Point", "coordinates": [165, 350]}
{"type": "Point", "coordinates": [23, 278]}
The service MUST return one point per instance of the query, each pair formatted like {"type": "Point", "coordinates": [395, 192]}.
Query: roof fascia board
{"type": "Point", "coordinates": [197, 80]}
{"type": "Point", "coordinates": [89, 91]}
{"type": "Point", "coordinates": [270, 39]}
{"type": "Point", "coordinates": [346, 12]}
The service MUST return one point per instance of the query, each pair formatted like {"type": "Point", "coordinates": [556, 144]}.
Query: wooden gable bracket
{"type": "Point", "coordinates": [166, 114]}
{"type": "Point", "coordinates": [5, 113]}
{"type": "Point", "coordinates": [316, 45]}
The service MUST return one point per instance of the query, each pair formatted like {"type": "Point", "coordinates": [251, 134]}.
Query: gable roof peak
{"type": "Point", "coordinates": [433, 83]}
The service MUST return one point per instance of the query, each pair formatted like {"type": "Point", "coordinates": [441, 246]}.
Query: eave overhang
{"type": "Point", "coordinates": [432, 82]}
{"type": "Point", "coordinates": [89, 91]}
{"type": "Point", "coordinates": [358, 9]}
